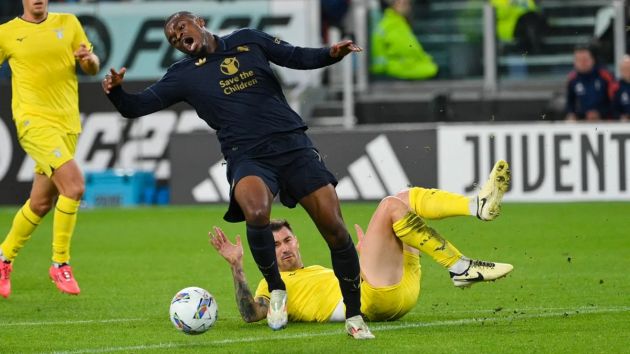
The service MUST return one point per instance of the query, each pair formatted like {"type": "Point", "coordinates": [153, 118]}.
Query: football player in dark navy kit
{"type": "Point", "coordinates": [589, 88]}
{"type": "Point", "coordinates": [230, 83]}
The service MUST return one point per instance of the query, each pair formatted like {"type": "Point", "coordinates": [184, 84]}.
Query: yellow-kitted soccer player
{"type": "Point", "coordinates": [389, 257]}
{"type": "Point", "coordinates": [42, 50]}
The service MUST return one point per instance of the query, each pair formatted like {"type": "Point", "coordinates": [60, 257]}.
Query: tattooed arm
{"type": "Point", "coordinates": [252, 310]}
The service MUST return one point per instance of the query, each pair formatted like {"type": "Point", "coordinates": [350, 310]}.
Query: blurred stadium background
{"type": "Point", "coordinates": [490, 100]}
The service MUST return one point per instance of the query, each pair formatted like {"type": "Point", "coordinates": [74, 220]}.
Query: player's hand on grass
{"type": "Point", "coordinates": [113, 79]}
{"type": "Point", "coordinates": [343, 48]}
{"type": "Point", "coordinates": [233, 253]}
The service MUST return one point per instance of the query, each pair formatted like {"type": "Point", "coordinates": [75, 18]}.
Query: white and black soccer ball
{"type": "Point", "coordinates": [193, 310]}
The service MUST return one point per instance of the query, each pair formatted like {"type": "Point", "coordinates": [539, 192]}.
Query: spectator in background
{"type": "Point", "coordinates": [621, 98]}
{"type": "Point", "coordinates": [589, 88]}
{"type": "Point", "coordinates": [520, 21]}
{"type": "Point", "coordinates": [396, 51]}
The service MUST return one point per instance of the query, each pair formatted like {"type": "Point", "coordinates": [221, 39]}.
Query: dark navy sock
{"type": "Point", "coordinates": [345, 262]}
{"type": "Point", "coordinates": [263, 248]}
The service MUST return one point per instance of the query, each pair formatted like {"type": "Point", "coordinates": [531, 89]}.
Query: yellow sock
{"type": "Point", "coordinates": [437, 204]}
{"type": "Point", "coordinates": [24, 223]}
{"type": "Point", "coordinates": [414, 232]}
{"type": "Point", "coordinates": [63, 226]}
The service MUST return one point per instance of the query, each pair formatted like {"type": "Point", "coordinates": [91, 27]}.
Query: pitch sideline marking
{"type": "Point", "coordinates": [375, 327]}
{"type": "Point", "coordinates": [58, 323]}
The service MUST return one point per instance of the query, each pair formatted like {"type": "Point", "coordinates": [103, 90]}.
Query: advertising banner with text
{"type": "Point", "coordinates": [132, 35]}
{"type": "Point", "coordinates": [550, 162]}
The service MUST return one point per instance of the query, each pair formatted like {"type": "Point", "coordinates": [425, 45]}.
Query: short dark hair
{"type": "Point", "coordinates": [180, 14]}
{"type": "Point", "coordinates": [585, 47]}
{"type": "Point", "coordinates": [277, 224]}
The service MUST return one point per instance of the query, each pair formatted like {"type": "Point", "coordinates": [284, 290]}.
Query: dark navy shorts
{"type": "Point", "coordinates": [293, 175]}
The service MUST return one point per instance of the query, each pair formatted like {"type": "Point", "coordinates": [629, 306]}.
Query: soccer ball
{"type": "Point", "coordinates": [193, 310]}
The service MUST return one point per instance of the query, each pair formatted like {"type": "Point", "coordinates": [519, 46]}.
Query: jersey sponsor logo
{"type": "Point", "coordinates": [20, 39]}
{"type": "Point", "coordinates": [238, 80]}
{"type": "Point", "coordinates": [242, 48]}
{"type": "Point", "coordinates": [229, 66]}
{"type": "Point", "coordinates": [59, 33]}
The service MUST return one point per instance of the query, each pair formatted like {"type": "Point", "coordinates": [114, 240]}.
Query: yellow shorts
{"type": "Point", "coordinates": [392, 302]}
{"type": "Point", "coordinates": [49, 147]}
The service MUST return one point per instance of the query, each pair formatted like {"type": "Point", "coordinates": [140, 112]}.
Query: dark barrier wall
{"type": "Point", "coordinates": [368, 165]}
{"type": "Point", "coordinates": [107, 141]}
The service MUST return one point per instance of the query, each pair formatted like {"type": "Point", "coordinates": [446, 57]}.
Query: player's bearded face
{"type": "Point", "coordinates": [186, 35]}
{"type": "Point", "coordinates": [287, 250]}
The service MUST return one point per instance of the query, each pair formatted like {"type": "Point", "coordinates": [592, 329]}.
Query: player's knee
{"type": "Point", "coordinates": [392, 204]}
{"type": "Point", "coordinates": [256, 216]}
{"type": "Point", "coordinates": [75, 192]}
{"type": "Point", "coordinates": [42, 206]}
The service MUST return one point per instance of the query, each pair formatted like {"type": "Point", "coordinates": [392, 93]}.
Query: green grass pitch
{"type": "Point", "coordinates": [569, 292]}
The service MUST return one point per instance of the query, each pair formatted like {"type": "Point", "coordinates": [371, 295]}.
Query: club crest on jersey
{"type": "Point", "coordinates": [229, 66]}
{"type": "Point", "coordinates": [59, 33]}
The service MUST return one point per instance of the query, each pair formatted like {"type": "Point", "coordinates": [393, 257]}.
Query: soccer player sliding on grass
{"type": "Point", "coordinates": [230, 83]}
{"type": "Point", "coordinates": [389, 256]}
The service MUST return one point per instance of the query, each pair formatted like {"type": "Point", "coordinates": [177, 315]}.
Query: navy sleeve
{"type": "Point", "coordinates": [284, 54]}
{"type": "Point", "coordinates": [158, 96]}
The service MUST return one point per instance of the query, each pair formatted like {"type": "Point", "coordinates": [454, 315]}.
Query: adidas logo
{"type": "Point", "coordinates": [374, 175]}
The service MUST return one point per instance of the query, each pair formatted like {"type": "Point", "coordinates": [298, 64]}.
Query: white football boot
{"type": "Point", "coordinates": [277, 316]}
{"type": "Point", "coordinates": [479, 271]}
{"type": "Point", "coordinates": [356, 327]}
{"type": "Point", "coordinates": [490, 196]}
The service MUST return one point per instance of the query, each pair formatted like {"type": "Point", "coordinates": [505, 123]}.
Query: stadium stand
{"type": "Point", "coordinates": [530, 85]}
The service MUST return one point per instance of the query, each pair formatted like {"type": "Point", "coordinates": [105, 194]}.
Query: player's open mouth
{"type": "Point", "coordinates": [189, 43]}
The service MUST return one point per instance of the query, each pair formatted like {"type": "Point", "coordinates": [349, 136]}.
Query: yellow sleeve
{"type": "Point", "coordinates": [79, 35]}
{"type": "Point", "coordinates": [262, 290]}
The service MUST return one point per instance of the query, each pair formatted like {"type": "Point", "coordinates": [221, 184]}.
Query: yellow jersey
{"type": "Point", "coordinates": [314, 293]}
{"type": "Point", "coordinates": [43, 71]}
{"type": "Point", "coordinates": [304, 304]}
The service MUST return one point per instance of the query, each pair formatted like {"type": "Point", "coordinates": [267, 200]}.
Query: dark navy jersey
{"type": "Point", "coordinates": [621, 100]}
{"type": "Point", "coordinates": [590, 91]}
{"type": "Point", "coordinates": [235, 91]}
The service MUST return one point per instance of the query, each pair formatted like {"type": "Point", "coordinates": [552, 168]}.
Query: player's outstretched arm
{"type": "Point", "coordinates": [113, 79]}
{"type": "Point", "coordinates": [252, 310]}
{"type": "Point", "coordinates": [132, 105]}
{"type": "Point", "coordinates": [343, 48]}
